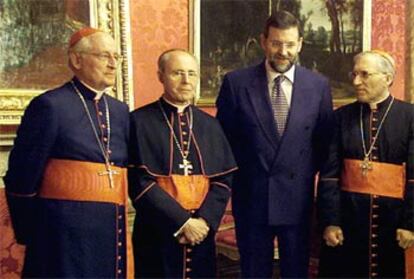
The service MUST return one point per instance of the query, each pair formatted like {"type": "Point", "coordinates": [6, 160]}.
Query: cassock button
{"type": "Point", "coordinates": [100, 113]}
{"type": "Point", "coordinates": [374, 128]}
{"type": "Point", "coordinates": [120, 231]}
{"type": "Point", "coordinates": [374, 245]}
{"type": "Point", "coordinates": [374, 158]}
{"type": "Point", "coordinates": [188, 269]}
{"type": "Point", "coordinates": [189, 250]}
{"type": "Point", "coordinates": [374, 255]}
{"type": "Point", "coordinates": [374, 196]}
{"type": "Point", "coordinates": [103, 126]}
{"type": "Point", "coordinates": [112, 163]}
{"type": "Point", "coordinates": [119, 258]}
{"type": "Point", "coordinates": [119, 271]}
{"type": "Point", "coordinates": [109, 151]}
{"type": "Point", "coordinates": [374, 274]}
{"type": "Point", "coordinates": [374, 265]}
{"type": "Point", "coordinates": [374, 235]}
{"type": "Point", "coordinates": [184, 133]}
{"type": "Point", "coordinates": [374, 226]}
{"type": "Point", "coordinates": [375, 216]}
{"type": "Point", "coordinates": [374, 119]}
{"type": "Point", "coordinates": [188, 260]}
{"type": "Point", "coordinates": [182, 123]}
{"type": "Point", "coordinates": [119, 244]}
{"type": "Point", "coordinates": [119, 216]}
{"type": "Point", "coordinates": [185, 142]}
{"type": "Point", "coordinates": [192, 211]}
{"type": "Point", "coordinates": [375, 206]}
{"type": "Point", "coordinates": [105, 139]}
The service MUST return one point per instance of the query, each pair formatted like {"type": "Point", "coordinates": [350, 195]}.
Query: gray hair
{"type": "Point", "coordinates": [83, 45]}
{"type": "Point", "coordinates": [385, 61]}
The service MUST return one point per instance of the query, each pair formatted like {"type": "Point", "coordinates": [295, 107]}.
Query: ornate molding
{"type": "Point", "coordinates": [111, 16]}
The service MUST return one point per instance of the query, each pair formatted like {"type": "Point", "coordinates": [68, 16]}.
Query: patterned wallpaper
{"type": "Point", "coordinates": [162, 24]}
{"type": "Point", "coordinates": [156, 26]}
{"type": "Point", "coordinates": [388, 33]}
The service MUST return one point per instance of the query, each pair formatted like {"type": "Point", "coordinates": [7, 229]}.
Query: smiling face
{"type": "Point", "coordinates": [179, 76]}
{"type": "Point", "coordinates": [95, 63]}
{"type": "Point", "coordinates": [370, 82]}
{"type": "Point", "coordinates": [281, 47]}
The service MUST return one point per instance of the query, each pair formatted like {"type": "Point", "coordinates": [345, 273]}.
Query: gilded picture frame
{"type": "Point", "coordinates": [223, 44]}
{"type": "Point", "coordinates": [19, 82]}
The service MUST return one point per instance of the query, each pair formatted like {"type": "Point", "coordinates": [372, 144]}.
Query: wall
{"type": "Point", "coordinates": [162, 24]}
{"type": "Point", "coordinates": [388, 33]}
{"type": "Point", "coordinates": [156, 25]}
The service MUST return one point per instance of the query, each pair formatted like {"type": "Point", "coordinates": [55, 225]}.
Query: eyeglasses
{"type": "Point", "coordinates": [280, 44]}
{"type": "Point", "coordinates": [182, 74]}
{"type": "Point", "coordinates": [105, 56]}
{"type": "Point", "coordinates": [364, 75]}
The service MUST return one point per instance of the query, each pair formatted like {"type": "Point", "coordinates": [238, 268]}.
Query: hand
{"type": "Point", "coordinates": [182, 239]}
{"type": "Point", "coordinates": [333, 236]}
{"type": "Point", "coordinates": [405, 238]}
{"type": "Point", "coordinates": [195, 231]}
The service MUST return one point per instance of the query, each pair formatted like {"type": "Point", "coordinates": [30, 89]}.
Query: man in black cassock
{"type": "Point", "coordinates": [179, 177]}
{"type": "Point", "coordinates": [366, 190]}
{"type": "Point", "coordinates": [66, 182]}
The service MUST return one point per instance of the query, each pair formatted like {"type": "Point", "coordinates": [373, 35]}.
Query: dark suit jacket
{"type": "Point", "coordinates": [275, 181]}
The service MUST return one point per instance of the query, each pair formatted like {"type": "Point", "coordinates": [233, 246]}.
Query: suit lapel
{"type": "Point", "coordinates": [260, 100]}
{"type": "Point", "coordinates": [299, 103]}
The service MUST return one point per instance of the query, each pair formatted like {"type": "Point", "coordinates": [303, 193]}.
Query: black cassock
{"type": "Point", "coordinates": [67, 238]}
{"type": "Point", "coordinates": [154, 153]}
{"type": "Point", "coordinates": [369, 222]}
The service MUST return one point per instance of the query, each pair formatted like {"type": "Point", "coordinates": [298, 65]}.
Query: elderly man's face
{"type": "Point", "coordinates": [179, 77]}
{"type": "Point", "coordinates": [370, 82]}
{"type": "Point", "coordinates": [97, 66]}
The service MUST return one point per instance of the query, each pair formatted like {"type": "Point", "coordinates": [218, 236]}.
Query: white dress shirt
{"type": "Point", "coordinates": [287, 83]}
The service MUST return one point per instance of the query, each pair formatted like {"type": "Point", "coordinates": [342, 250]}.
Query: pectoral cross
{"type": "Point", "coordinates": [365, 166]}
{"type": "Point", "coordinates": [186, 165]}
{"type": "Point", "coordinates": [110, 173]}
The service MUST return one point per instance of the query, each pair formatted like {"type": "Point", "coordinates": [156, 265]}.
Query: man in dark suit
{"type": "Point", "coordinates": [278, 118]}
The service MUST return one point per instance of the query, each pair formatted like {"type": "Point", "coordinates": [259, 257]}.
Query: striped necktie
{"type": "Point", "coordinates": [279, 105]}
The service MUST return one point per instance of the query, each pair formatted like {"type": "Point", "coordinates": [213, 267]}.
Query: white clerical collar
{"type": "Point", "coordinates": [374, 105]}
{"type": "Point", "coordinates": [272, 74]}
{"type": "Point", "coordinates": [180, 108]}
{"type": "Point", "coordinates": [98, 93]}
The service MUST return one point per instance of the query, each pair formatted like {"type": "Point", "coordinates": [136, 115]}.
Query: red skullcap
{"type": "Point", "coordinates": [82, 33]}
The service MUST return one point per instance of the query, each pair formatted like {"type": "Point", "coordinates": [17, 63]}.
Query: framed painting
{"type": "Point", "coordinates": [226, 36]}
{"type": "Point", "coordinates": [33, 47]}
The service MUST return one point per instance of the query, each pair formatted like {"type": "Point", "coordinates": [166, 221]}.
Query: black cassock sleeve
{"type": "Point", "coordinates": [35, 138]}
{"type": "Point", "coordinates": [328, 197]}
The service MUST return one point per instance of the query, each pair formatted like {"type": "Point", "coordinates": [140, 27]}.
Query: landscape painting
{"type": "Point", "coordinates": [230, 38]}
{"type": "Point", "coordinates": [33, 41]}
